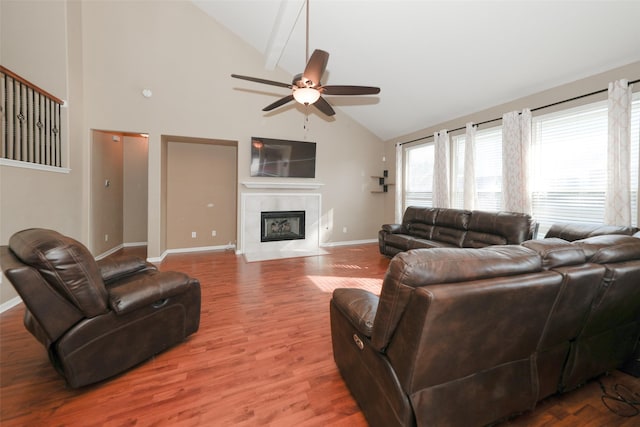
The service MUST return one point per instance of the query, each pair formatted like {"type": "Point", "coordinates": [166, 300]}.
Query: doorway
{"type": "Point", "coordinates": [119, 191]}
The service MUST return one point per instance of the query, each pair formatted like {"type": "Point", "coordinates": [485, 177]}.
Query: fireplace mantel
{"type": "Point", "coordinates": [273, 185]}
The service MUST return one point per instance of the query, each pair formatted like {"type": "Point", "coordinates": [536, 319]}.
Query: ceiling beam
{"type": "Point", "coordinates": [288, 14]}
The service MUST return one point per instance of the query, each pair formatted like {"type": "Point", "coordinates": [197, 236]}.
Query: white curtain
{"type": "Point", "coordinates": [399, 187]}
{"type": "Point", "coordinates": [470, 193]}
{"type": "Point", "coordinates": [618, 197]}
{"type": "Point", "coordinates": [441, 170]}
{"type": "Point", "coordinates": [516, 143]}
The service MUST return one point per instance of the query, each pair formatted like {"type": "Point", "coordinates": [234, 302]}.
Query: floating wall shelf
{"type": "Point", "coordinates": [382, 182]}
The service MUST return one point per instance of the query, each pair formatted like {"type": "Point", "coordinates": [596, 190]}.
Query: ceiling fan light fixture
{"type": "Point", "coordinates": [306, 95]}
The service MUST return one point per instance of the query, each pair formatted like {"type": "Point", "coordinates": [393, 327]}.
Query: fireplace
{"type": "Point", "coordinates": [281, 225]}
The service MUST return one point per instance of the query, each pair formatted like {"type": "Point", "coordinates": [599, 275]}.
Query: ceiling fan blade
{"type": "Point", "coordinates": [278, 103]}
{"type": "Point", "coordinates": [350, 90]}
{"type": "Point", "coordinates": [324, 106]}
{"type": "Point", "coordinates": [258, 80]}
{"type": "Point", "coordinates": [316, 66]}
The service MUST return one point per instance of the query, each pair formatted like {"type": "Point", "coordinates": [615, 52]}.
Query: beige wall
{"type": "Point", "coordinates": [135, 190]}
{"type": "Point", "coordinates": [41, 41]}
{"type": "Point", "coordinates": [186, 59]}
{"type": "Point", "coordinates": [201, 194]}
{"type": "Point", "coordinates": [568, 91]}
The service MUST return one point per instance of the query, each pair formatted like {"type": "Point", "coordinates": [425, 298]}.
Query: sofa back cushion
{"type": "Point", "coordinates": [451, 226]}
{"type": "Point", "coordinates": [610, 248]}
{"type": "Point", "coordinates": [66, 264]}
{"type": "Point", "coordinates": [419, 221]}
{"type": "Point", "coordinates": [575, 231]}
{"type": "Point", "coordinates": [556, 252]}
{"type": "Point", "coordinates": [424, 267]}
{"type": "Point", "coordinates": [498, 228]}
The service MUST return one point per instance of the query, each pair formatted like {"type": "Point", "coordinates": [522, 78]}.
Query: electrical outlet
{"type": "Point", "coordinates": [193, 235]}
{"type": "Point", "coordinates": [106, 237]}
{"type": "Point", "coordinates": [344, 229]}
{"type": "Point", "coordinates": [214, 233]}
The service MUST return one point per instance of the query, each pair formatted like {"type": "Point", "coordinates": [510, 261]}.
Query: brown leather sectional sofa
{"type": "Point", "coordinates": [467, 337]}
{"type": "Point", "coordinates": [450, 228]}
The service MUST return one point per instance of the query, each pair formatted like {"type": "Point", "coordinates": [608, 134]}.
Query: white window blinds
{"type": "Point", "coordinates": [569, 164]}
{"type": "Point", "coordinates": [419, 175]}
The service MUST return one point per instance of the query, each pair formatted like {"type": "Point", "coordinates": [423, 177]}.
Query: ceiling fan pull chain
{"type": "Point", "coordinates": [305, 124]}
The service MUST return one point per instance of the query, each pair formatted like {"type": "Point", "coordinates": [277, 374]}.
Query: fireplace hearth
{"type": "Point", "coordinates": [282, 225]}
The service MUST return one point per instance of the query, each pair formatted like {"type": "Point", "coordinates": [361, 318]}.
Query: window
{"type": "Point", "coordinates": [635, 156]}
{"type": "Point", "coordinates": [419, 162]}
{"type": "Point", "coordinates": [569, 164]}
{"type": "Point", "coordinates": [488, 169]}
{"type": "Point", "coordinates": [568, 167]}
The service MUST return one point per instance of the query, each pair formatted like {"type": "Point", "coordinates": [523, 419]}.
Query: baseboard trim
{"type": "Point", "coordinates": [10, 304]}
{"type": "Point", "coordinates": [109, 252]}
{"type": "Point", "coordinates": [191, 250]}
{"type": "Point", "coordinates": [134, 244]}
{"type": "Point", "coordinates": [348, 243]}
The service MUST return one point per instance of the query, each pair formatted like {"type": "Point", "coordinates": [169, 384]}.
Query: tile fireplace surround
{"type": "Point", "coordinates": [252, 204]}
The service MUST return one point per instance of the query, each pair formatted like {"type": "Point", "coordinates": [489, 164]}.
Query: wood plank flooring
{"type": "Point", "coordinates": [262, 357]}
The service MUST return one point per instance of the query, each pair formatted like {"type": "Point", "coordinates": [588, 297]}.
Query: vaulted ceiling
{"type": "Point", "coordinates": [436, 60]}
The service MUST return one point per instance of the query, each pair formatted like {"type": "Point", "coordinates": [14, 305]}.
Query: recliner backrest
{"type": "Point", "coordinates": [423, 267]}
{"type": "Point", "coordinates": [610, 332]}
{"type": "Point", "coordinates": [498, 228]}
{"type": "Point", "coordinates": [571, 231]}
{"type": "Point", "coordinates": [66, 265]}
{"type": "Point", "coordinates": [451, 226]}
{"type": "Point", "coordinates": [455, 323]}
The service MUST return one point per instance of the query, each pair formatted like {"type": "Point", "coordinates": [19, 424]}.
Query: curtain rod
{"type": "Point", "coordinates": [532, 110]}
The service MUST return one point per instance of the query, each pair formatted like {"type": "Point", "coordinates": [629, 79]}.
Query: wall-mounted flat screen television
{"type": "Point", "coordinates": [283, 158]}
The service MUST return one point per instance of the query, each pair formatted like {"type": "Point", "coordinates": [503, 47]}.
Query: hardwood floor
{"type": "Point", "coordinates": [262, 356]}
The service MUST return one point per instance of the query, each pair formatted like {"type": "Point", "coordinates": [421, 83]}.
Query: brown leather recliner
{"type": "Point", "coordinates": [97, 319]}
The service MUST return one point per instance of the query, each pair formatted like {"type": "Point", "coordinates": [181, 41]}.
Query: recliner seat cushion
{"type": "Point", "coordinates": [66, 264]}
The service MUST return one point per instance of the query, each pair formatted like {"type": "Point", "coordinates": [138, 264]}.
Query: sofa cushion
{"type": "Point", "coordinates": [419, 214]}
{"type": "Point", "coordinates": [610, 248]}
{"type": "Point", "coordinates": [475, 239]}
{"type": "Point", "coordinates": [453, 218]}
{"type": "Point", "coordinates": [66, 264]}
{"type": "Point", "coordinates": [513, 227]}
{"type": "Point", "coordinates": [575, 231]}
{"type": "Point", "coordinates": [556, 252]}
{"type": "Point", "coordinates": [415, 243]}
{"type": "Point", "coordinates": [420, 230]}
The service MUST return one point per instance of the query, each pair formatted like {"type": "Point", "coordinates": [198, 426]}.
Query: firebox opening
{"type": "Point", "coordinates": [281, 225]}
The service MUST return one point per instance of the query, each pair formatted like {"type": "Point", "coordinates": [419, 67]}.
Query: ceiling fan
{"type": "Point", "coordinates": [306, 87]}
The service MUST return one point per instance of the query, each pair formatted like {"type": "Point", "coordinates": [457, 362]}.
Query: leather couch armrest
{"type": "Point", "coordinates": [392, 228]}
{"type": "Point", "coordinates": [148, 289]}
{"type": "Point", "coordinates": [358, 306]}
{"type": "Point", "coordinates": [114, 268]}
